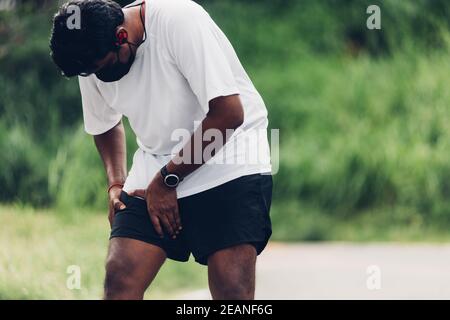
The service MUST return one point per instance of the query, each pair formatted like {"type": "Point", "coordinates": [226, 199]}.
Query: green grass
{"type": "Point", "coordinates": [295, 221]}
{"type": "Point", "coordinates": [38, 246]}
{"type": "Point", "coordinates": [362, 134]}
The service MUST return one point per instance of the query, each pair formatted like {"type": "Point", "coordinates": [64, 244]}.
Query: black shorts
{"type": "Point", "coordinates": [230, 214]}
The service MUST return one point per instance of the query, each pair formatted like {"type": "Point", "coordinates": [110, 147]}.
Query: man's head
{"type": "Point", "coordinates": [92, 45]}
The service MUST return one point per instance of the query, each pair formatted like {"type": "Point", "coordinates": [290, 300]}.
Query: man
{"type": "Point", "coordinates": [167, 67]}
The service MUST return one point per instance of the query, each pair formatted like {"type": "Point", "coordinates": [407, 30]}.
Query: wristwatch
{"type": "Point", "coordinates": [172, 180]}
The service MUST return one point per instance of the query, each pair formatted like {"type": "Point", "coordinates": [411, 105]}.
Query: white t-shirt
{"type": "Point", "coordinates": [185, 62]}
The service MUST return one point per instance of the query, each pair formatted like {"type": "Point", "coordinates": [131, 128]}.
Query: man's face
{"type": "Point", "coordinates": [116, 64]}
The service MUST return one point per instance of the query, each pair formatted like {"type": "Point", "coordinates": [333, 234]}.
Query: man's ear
{"type": "Point", "coordinates": [121, 36]}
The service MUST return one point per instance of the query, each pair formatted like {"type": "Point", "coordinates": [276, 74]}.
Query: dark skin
{"type": "Point", "coordinates": [112, 148]}
{"type": "Point", "coordinates": [132, 264]}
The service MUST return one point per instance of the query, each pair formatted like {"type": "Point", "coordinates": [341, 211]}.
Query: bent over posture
{"type": "Point", "coordinates": [200, 181]}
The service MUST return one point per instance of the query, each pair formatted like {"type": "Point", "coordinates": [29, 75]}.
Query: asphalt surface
{"type": "Point", "coordinates": [350, 271]}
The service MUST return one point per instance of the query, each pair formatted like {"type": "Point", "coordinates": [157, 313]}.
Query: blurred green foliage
{"type": "Point", "coordinates": [362, 113]}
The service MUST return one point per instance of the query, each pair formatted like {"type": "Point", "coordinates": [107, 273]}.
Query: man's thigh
{"type": "Point", "coordinates": [131, 265]}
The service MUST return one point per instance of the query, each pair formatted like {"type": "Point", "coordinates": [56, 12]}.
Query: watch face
{"type": "Point", "coordinates": [171, 180]}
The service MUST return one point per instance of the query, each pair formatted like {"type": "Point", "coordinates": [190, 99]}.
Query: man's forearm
{"type": "Point", "coordinates": [111, 146]}
{"type": "Point", "coordinates": [225, 113]}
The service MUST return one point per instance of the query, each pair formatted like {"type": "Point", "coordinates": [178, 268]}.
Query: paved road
{"type": "Point", "coordinates": [351, 271]}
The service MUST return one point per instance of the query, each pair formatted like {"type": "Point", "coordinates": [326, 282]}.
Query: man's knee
{"type": "Point", "coordinates": [232, 273]}
{"type": "Point", "coordinates": [230, 288]}
{"type": "Point", "coordinates": [130, 268]}
{"type": "Point", "coordinates": [118, 281]}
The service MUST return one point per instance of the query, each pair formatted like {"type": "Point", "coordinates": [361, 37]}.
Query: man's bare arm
{"type": "Point", "coordinates": [111, 146]}
{"type": "Point", "coordinates": [224, 113]}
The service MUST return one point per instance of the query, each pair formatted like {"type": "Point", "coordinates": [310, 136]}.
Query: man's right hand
{"type": "Point", "coordinates": [114, 202]}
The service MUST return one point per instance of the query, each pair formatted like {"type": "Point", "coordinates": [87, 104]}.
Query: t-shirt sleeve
{"type": "Point", "coordinates": [98, 116]}
{"type": "Point", "coordinates": [194, 46]}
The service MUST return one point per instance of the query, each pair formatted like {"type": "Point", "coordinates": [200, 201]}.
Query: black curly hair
{"type": "Point", "coordinates": [74, 50]}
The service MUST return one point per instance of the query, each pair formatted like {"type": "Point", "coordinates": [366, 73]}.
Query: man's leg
{"type": "Point", "coordinates": [131, 266]}
{"type": "Point", "coordinates": [231, 273]}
